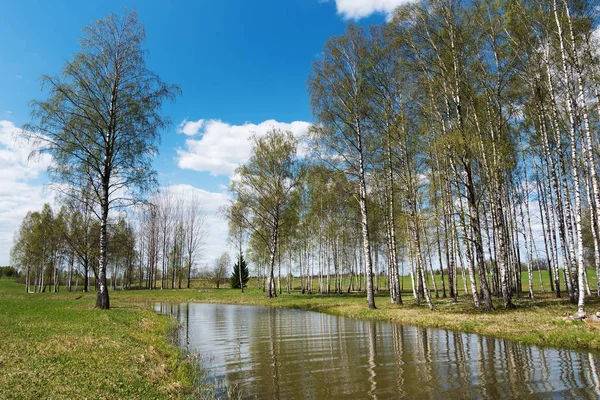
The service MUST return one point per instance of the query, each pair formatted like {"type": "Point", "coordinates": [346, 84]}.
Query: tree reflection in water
{"type": "Point", "coordinates": [285, 354]}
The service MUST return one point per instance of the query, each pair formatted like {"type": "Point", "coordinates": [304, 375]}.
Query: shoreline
{"type": "Point", "coordinates": [542, 323]}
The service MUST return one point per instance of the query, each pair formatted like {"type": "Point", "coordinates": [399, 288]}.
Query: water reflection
{"type": "Point", "coordinates": [286, 354]}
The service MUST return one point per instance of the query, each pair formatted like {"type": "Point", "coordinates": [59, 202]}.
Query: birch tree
{"type": "Point", "coordinates": [339, 90]}
{"type": "Point", "coordinates": [263, 189]}
{"type": "Point", "coordinates": [195, 228]}
{"type": "Point", "coordinates": [101, 122]}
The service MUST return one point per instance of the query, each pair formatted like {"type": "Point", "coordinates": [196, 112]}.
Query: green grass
{"type": "Point", "coordinates": [405, 282]}
{"type": "Point", "coordinates": [56, 345]}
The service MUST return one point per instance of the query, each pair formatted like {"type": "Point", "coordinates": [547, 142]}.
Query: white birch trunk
{"type": "Point", "coordinates": [563, 222]}
{"type": "Point", "coordinates": [577, 188]}
{"type": "Point", "coordinates": [594, 202]}
{"type": "Point", "coordinates": [365, 221]}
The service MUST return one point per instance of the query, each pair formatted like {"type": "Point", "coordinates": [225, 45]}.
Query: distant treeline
{"type": "Point", "coordinates": [9, 272]}
{"type": "Point", "coordinates": [154, 246]}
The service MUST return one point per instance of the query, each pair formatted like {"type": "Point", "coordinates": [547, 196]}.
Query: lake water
{"type": "Point", "coordinates": [269, 353]}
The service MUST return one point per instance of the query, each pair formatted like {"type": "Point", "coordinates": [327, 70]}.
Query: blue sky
{"type": "Point", "coordinates": [242, 66]}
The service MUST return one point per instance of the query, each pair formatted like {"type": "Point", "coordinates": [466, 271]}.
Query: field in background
{"type": "Point", "coordinates": [542, 285]}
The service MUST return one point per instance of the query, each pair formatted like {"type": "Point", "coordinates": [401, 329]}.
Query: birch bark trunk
{"type": "Point", "coordinates": [364, 221]}
{"type": "Point", "coordinates": [577, 186]}
{"type": "Point", "coordinates": [102, 300]}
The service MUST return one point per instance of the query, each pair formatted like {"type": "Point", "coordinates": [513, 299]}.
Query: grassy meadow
{"type": "Point", "coordinates": [57, 345]}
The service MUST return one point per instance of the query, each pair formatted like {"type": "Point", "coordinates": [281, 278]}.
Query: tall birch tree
{"type": "Point", "coordinates": [339, 92]}
{"type": "Point", "coordinates": [263, 188]}
{"type": "Point", "coordinates": [101, 122]}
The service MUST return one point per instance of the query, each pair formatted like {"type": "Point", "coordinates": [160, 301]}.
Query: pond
{"type": "Point", "coordinates": [269, 353]}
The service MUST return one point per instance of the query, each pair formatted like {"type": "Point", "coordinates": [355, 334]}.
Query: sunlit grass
{"type": "Point", "coordinates": [58, 346]}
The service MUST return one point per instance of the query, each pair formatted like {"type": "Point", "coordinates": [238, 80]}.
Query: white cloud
{"type": "Point", "coordinates": [357, 9]}
{"type": "Point", "coordinates": [222, 147]}
{"type": "Point", "coordinates": [216, 224]}
{"type": "Point", "coordinates": [190, 128]}
{"type": "Point", "coordinates": [18, 194]}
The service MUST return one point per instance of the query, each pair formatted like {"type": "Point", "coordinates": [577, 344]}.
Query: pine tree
{"type": "Point", "coordinates": [236, 280]}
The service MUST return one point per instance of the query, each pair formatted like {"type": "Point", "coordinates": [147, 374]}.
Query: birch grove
{"type": "Point", "coordinates": [467, 135]}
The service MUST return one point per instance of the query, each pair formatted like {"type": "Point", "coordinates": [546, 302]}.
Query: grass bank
{"type": "Point", "coordinates": [58, 346]}
{"type": "Point", "coordinates": [540, 322]}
